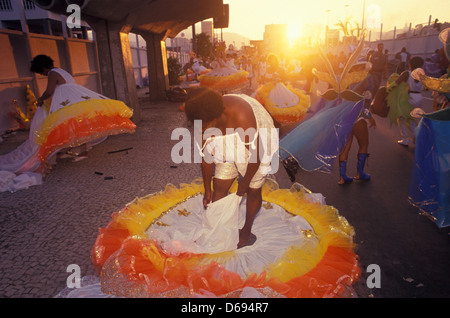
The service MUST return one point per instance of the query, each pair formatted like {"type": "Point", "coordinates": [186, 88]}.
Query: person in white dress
{"type": "Point", "coordinates": [43, 65]}
{"type": "Point", "coordinates": [71, 118]}
{"type": "Point", "coordinates": [96, 115]}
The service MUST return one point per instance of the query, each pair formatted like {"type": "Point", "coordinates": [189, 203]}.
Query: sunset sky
{"type": "Point", "coordinates": [248, 17]}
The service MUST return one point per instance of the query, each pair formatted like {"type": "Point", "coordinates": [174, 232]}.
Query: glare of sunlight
{"type": "Point", "coordinates": [293, 32]}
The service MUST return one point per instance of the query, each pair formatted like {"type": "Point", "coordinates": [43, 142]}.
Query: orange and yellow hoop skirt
{"type": "Point", "coordinates": [304, 249]}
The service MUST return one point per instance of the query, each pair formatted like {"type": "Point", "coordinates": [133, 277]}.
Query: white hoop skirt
{"type": "Point", "coordinates": [75, 116]}
{"type": "Point", "coordinates": [285, 103]}
{"type": "Point", "coordinates": [158, 246]}
{"type": "Point", "coordinates": [224, 79]}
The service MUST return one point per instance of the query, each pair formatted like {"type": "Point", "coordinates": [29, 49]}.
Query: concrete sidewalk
{"type": "Point", "coordinates": [46, 228]}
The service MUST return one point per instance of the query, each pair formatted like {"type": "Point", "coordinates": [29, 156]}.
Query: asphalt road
{"type": "Point", "coordinates": [46, 228]}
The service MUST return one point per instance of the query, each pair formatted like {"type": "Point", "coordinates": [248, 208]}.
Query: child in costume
{"type": "Point", "coordinates": [405, 94]}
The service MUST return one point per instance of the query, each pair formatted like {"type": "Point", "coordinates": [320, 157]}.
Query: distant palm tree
{"type": "Point", "coordinates": [203, 45]}
{"type": "Point", "coordinates": [349, 31]}
{"type": "Point", "coordinates": [345, 26]}
{"type": "Point", "coordinates": [357, 29]}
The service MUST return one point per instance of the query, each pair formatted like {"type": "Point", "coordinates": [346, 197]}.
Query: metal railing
{"type": "Point", "coordinates": [29, 5]}
{"type": "Point", "coordinates": [5, 5]}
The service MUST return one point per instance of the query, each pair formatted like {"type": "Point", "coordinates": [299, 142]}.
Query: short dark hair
{"type": "Point", "coordinates": [41, 62]}
{"type": "Point", "coordinates": [416, 62]}
{"type": "Point", "coordinates": [204, 104]}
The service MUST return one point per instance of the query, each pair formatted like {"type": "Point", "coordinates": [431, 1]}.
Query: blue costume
{"type": "Point", "coordinates": [315, 143]}
{"type": "Point", "coordinates": [429, 188]}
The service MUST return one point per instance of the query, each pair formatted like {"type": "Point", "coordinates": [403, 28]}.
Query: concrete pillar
{"type": "Point", "coordinates": [158, 75]}
{"type": "Point", "coordinates": [116, 64]}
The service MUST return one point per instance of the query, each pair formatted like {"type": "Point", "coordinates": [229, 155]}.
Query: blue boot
{"type": "Point", "coordinates": [360, 167]}
{"type": "Point", "coordinates": [343, 171]}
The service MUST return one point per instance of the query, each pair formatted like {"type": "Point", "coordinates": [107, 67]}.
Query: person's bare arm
{"type": "Point", "coordinates": [403, 77]}
{"type": "Point", "coordinates": [207, 172]}
{"type": "Point", "coordinates": [246, 120]}
{"type": "Point", "coordinates": [51, 85]}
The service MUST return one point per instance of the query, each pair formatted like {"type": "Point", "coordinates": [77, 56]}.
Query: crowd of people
{"type": "Point", "coordinates": [320, 101]}
{"type": "Point", "coordinates": [385, 74]}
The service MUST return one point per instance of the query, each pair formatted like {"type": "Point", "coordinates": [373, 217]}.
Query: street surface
{"type": "Point", "coordinates": [46, 228]}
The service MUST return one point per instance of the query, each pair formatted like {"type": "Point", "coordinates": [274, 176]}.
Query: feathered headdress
{"type": "Point", "coordinates": [340, 84]}
{"type": "Point", "coordinates": [442, 84]}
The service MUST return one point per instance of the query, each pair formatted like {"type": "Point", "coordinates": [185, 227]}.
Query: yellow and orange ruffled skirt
{"type": "Point", "coordinates": [228, 82]}
{"type": "Point", "coordinates": [131, 264]}
{"type": "Point", "coordinates": [82, 122]}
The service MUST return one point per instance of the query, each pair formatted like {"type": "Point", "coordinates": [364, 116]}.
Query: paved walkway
{"type": "Point", "coordinates": [46, 228]}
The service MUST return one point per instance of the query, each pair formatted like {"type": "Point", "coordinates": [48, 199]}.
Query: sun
{"type": "Point", "coordinates": [293, 32]}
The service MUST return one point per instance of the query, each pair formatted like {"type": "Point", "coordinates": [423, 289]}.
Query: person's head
{"type": "Point", "coordinates": [415, 62]}
{"type": "Point", "coordinates": [380, 47]}
{"type": "Point", "coordinates": [273, 60]}
{"type": "Point", "coordinates": [41, 64]}
{"type": "Point", "coordinates": [203, 104]}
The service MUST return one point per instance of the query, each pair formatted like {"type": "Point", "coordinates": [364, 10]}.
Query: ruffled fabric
{"type": "Point", "coordinates": [224, 79]}
{"type": "Point", "coordinates": [284, 112]}
{"type": "Point", "coordinates": [82, 122]}
{"type": "Point", "coordinates": [430, 178]}
{"type": "Point", "coordinates": [132, 264]}
{"type": "Point", "coordinates": [441, 85]}
{"type": "Point", "coordinates": [316, 143]}
{"type": "Point", "coordinates": [397, 100]}
{"type": "Point", "coordinates": [24, 157]}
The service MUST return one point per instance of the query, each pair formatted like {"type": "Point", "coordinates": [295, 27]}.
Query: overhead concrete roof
{"type": "Point", "coordinates": [168, 17]}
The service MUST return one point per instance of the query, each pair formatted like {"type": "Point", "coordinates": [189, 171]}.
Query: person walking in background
{"type": "Point", "coordinates": [386, 72]}
{"type": "Point", "coordinates": [379, 67]}
{"type": "Point", "coordinates": [403, 56]}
